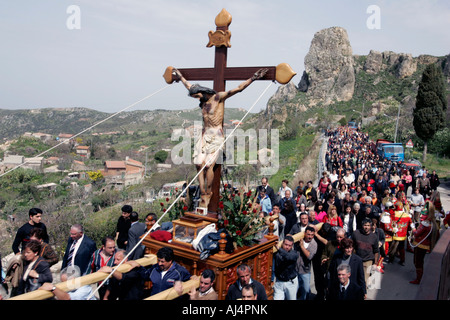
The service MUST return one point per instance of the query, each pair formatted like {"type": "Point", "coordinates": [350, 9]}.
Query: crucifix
{"type": "Point", "coordinates": [212, 102]}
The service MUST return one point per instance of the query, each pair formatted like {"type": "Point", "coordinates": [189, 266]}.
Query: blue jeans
{"type": "Point", "coordinates": [304, 285]}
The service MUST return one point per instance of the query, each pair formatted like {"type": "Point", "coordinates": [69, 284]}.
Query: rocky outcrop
{"type": "Point", "coordinates": [402, 64]}
{"type": "Point", "coordinates": [284, 94]}
{"type": "Point", "coordinates": [446, 68]}
{"type": "Point", "coordinates": [374, 62]}
{"type": "Point", "coordinates": [304, 83]}
{"type": "Point", "coordinates": [329, 72]}
{"type": "Point", "coordinates": [407, 65]}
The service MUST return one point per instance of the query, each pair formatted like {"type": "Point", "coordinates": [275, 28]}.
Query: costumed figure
{"type": "Point", "coordinates": [385, 224]}
{"type": "Point", "coordinates": [400, 224]}
{"type": "Point", "coordinates": [446, 221]}
{"type": "Point", "coordinates": [425, 237]}
{"type": "Point", "coordinates": [435, 198]}
{"type": "Point", "coordinates": [402, 197]}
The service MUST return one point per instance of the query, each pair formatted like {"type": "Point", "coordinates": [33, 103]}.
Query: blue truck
{"type": "Point", "coordinates": [353, 125]}
{"type": "Point", "coordinates": [390, 150]}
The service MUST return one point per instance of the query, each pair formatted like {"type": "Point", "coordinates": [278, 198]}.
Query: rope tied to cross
{"type": "Point", "coordinates": [207, 163]}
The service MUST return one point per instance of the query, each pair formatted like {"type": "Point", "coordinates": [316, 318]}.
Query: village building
{"type": "Point", "coordinates": [83, 151]}
{"type": "Point", "coordinates": [123, 173]}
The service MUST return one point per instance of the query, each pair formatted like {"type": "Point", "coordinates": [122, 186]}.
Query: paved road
{"type": "Point", "coordinates": [394, 284]}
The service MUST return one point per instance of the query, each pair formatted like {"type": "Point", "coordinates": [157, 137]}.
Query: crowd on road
{"type": "Point", "coordinates": [354, 222]}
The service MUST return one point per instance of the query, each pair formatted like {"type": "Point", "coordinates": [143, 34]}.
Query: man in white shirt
{"type": "Point", "coordinates": [349, 178]}
{"type": "Point", "coordinates": [417, 203]}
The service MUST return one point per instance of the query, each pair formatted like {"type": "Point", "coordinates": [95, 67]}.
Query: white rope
{"type": "Point", "coordinates": [85, 130]}
{"type": "Point", "coordinates": [412, 237]}
{"type": "Point", "coordinates": [181, 193]}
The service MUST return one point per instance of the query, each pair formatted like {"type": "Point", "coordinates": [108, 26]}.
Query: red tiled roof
{"type": "Point", "coordinates": [115, 164]}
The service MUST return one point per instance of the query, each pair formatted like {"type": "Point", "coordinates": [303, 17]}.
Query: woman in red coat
{"type": "Point", "coordinates": [332, 217]}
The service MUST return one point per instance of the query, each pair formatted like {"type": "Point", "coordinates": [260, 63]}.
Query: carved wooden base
{"type": "Point", "coordinates": [259, 257]}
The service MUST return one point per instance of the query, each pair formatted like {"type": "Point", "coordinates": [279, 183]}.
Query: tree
{"type": "Point", "coordinates": [244, 173]}
{"type": "Point", "coordinates": [95, 175]}
{"type": "Point", "coordinates": [161, 156]}
{"type": "Point", "coordinates": [431, 105]}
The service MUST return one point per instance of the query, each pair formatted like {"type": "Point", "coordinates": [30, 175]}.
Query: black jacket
{"type": "Point", "coordinates": [83, 255]}
{"type": "Point", "coordinates": [23, 235]}
{"type": "Point", "coordinates": [285, 263]}
{"type": "Point", "coordinates": [234, 291]}
{"type": "Point", "coordinates": [42, 268]}
{"type": "Point", "coordinates": [353, 292]}
{"type": "Point", "coordinates": [356, 266]}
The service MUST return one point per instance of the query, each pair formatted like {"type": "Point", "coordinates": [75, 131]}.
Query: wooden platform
{"type": "Point", "coordinates": [259, 257]}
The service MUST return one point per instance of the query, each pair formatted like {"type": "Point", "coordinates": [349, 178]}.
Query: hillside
{"type": "Point", "coordinates": [14, 123]}
{"type": "Point", "coordinates": [366, 88]}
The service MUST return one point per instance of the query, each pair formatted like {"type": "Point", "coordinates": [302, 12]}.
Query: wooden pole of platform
{"type": "Point", "coordinates": [82, 281]}
{"type": "Point", "coordinates": [171, 293]}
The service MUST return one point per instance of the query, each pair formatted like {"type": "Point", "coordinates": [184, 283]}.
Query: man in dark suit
{"type": "Point", "coordinates": [136, 230]}
{"type": "Point", "coordinates": [79, 249]}
{"type": "Point", "coordinates": [346, 254]}
{"type": "Point", "coordinates": [345, 289]}
{"type": "Point", "coordinates": [269, 190]}
{"type": "Point", "coordinates": [379, 186]}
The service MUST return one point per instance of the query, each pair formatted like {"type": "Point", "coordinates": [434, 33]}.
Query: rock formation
{"type": "Point", "coordinates": [329, 73]}
{"type": "Point", "coordinates": [373, 62]}
{"type": "Point", "coordinates": [332, 73]}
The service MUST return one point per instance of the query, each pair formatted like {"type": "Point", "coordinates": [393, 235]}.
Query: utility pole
{"type": "Point", "coordinates": [396, 126]}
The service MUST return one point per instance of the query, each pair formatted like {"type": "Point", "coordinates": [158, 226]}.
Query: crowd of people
{"type": "Point", "coordinates": [354, 221]}
{"type": "Point", "coordinates": [29, 269]}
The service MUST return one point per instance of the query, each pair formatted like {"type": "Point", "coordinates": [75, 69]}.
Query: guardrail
{"type": "Point", "coordinates": [321, 166]}
{"type": "Point", "coordinates": [435, 284]}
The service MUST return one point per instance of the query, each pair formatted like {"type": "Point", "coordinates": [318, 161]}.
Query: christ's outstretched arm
{"type": "Point", "coordinates": [258, 75]}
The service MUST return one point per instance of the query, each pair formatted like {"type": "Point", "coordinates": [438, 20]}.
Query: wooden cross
{"type": "Point", "coordinates": [282, 73]}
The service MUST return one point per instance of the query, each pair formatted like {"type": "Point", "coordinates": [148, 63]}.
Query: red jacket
{"type": "Point", "coordinates": [423, 235]}
{"type": "Point", "coordinates": [387, 227]}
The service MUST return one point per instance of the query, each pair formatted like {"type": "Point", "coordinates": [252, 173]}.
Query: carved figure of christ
{"type": "Point", "coordinates": [209, 147]}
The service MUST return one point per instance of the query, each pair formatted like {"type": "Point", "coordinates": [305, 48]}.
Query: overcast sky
{"type": "Point", "coordinates": [122, 47]}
